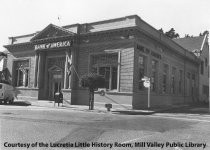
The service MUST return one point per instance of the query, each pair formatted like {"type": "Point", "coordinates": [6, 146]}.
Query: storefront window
{"type": "Point", "coordinates": [106, 65]}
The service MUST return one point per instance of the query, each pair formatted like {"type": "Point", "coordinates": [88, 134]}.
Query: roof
{"type": "Point", "coordinates": [128, 22]}
{"type": "Point", "coordinates": [191, 43]}
{"type": "Point", "coordinates": [48, 27]}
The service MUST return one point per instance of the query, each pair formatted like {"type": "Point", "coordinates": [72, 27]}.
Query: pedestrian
{"type": "Point", "coordinates": [60, 98]}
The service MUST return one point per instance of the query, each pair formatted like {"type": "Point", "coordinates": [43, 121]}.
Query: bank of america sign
{"type": "Point", "coordinates": [59, 44]}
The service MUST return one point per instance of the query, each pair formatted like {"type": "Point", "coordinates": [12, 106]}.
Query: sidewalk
{"type": "Point", "coordinates": [65, 105]}
{"type": "Point", "coordinates": [188, 109]}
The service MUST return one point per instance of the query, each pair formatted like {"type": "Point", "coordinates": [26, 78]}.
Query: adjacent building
{"type": "Point", "coordinates": [123, 50]}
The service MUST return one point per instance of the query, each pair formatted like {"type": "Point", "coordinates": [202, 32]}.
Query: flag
{"type": "Point", "coordinates": [22, 69]}
{"type": "Point", "coordinates": [69, 63]}
{"type": "Point", "coordinates": [2, 64]}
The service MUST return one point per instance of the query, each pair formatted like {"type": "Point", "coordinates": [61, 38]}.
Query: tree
{"type": "Point", "coordinates": [161, 30]}
{"type": "Point", "coordinates": [92, 81]}
{"type": "Point", "coordinates": [172, 34]}
{"type": "Point", "coordinates": [204, 33]}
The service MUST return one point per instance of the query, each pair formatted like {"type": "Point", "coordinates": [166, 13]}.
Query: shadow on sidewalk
{"type": "Point", "coordinates": [132, 112]}
{"type": "Point", "coordinates": [18, 103]}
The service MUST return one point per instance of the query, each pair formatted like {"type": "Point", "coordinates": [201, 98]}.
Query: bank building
{"type": "Point", "coordinates": [123, 50]}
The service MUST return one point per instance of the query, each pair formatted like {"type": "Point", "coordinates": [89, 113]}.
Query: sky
{"type": "Point", "coordinates": [19, 17]}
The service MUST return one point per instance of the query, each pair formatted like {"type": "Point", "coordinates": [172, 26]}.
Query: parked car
{"type": "Point", "coordinates": [6, 93]}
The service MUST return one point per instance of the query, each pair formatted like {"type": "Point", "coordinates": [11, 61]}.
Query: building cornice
{"type": "Point", "coordinates": [161, 41]}
{"type": "Point", "coordinates": [18, 45]}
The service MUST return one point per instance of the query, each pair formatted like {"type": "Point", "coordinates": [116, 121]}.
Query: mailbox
{"type": "Point", "coordinates": [58, 97]}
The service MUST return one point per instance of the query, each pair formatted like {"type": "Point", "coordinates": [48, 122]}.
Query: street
{"type": "Point", "coordinates": [31, 127]}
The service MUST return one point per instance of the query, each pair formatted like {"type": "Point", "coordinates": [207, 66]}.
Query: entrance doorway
{"type": "Point", "coordinates": [55, 81]}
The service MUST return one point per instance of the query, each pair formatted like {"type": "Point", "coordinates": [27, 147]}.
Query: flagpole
{"type": "Point", "coordinates": [75, 71]}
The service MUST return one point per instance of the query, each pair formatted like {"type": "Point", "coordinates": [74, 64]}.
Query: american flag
{"type": "Point", "coordinates": [22, 69]}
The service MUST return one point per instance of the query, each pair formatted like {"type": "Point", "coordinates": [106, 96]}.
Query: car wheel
{"type": "Point", "coordinates": [5, 101]}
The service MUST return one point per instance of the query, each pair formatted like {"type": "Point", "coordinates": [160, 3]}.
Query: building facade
{"type": "Point", "coordinates": [123, 50]}
{"type": "Point", "coordinates": [200, 47]}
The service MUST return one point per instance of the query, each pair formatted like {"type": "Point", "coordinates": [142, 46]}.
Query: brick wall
{"type": "Point", "coordinates": [126, 71]}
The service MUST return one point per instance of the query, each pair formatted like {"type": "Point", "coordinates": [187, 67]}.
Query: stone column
{"type": "Point", "coordinates": [118, 71]}
{"type": "Point", "coordinates": [110, 78]}
{"type": "Point", "coordinates": [36, 69]}
{"type": "Point", "coordinates": [40, 70]}
{"type": "Point", "coordinates": [65, 71]}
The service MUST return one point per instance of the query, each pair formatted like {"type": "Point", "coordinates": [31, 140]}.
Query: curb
{"type": "Point", "coordinates": [71, 107]}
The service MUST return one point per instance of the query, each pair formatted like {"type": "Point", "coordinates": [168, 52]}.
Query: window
{"type": "Point", "coordinates": [206, 90]}
{"type": "Point", "coordinates": [206, 62]}
{"type": "Point", "coordinates": [180, 81]}
{"type": "Point", "coordinates": [141, 64]}
{"type": "Point", "coordinates": [106, 65]}
{"type": "Point", "coordinates": [140, 48]}
{"type": "Point", "coordinates": [154, 75]}
{"type": "Point", "coordinates": [188, 84]}
{"type": "Point", "coordinates": [193, 84]}
{"type": "Point", "coordinates": [21, 76]}
{"type": "Point", "coordinates": [164, 78]}
{"type": "Point", "coordinates": [110, 75]}
{"type": "Point", "coordinates": [202, 67]}
{"type": "Point", "coordinates": [173, 75]}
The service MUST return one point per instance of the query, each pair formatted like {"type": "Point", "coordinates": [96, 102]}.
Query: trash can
{"type": "Point", "coordinates": [58, 98]}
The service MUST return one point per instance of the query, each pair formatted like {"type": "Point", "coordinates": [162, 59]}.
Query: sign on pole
{"type": "Point", "coordinates": [147, 85]}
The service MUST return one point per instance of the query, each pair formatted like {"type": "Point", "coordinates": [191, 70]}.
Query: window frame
{"type": "Point", "coordinates": [154, 70]}
{"type": "Point", "coordinates": [112, 65]}
{"type": "Point", "coordinates": [164, 88]}
{"type": "Point", "coordinates": [202, 68]}
{"type": "Point", "coordinates": [180, 81]}
{"type": "Point", "coordinates": [173, 80]}
{"type": "Point", "coordinates": [140, 68]}
{"type": "Point", "coordinates": [17, 69]}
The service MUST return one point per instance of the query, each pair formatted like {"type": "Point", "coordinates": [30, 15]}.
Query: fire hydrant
{"type": "Point", "coordinates": [108, 106]}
